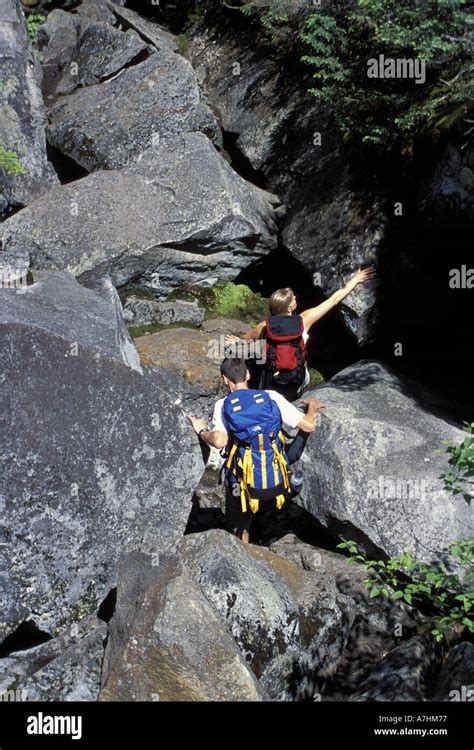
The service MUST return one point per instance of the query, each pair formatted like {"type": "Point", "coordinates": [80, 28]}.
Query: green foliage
{"type": "Point", "coordinates": [387, 113]}
{"type": "Point", "coordinates": [459, 478]}
{"type": "Point", "coordinates": [274, 19]}
{"type": "Point", "coordinates": [237, 301]}
{"type": "Point", "coordinates": [33, 22]}
{"type": "Point", "coordinates": [315, 378]}
{"type": "Point", "coordinates": [405, 578]}
{"type": "Point", "coordinates": [10, 162]}
{"type": "Point", "coordinates": [182, 44]}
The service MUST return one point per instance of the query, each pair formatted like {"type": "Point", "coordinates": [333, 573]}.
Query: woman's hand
{"type": "Point", "coordinates": [362, 275]}
{"type": "Point", "coordinates": [231, 339]}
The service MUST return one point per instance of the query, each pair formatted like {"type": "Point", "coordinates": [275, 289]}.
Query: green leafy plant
{"type": "Point", "coordinates": [448, 594]}
{"type": "Point", "coordinates": [384, 113]}
{"type": "Point", "coordinates": [33, 22]}
{"type": "Point", "coordinates": [237, 301]}
{"type": "Point", "coordinates": [459, 478]}
{"type": "Point", "coordinates": [10, 162]}
{"type": "Point", "coordinates": [315, 378]}
{"type": "Point", "coordinates": [182, 44]}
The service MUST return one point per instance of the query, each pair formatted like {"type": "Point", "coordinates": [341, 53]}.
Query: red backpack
{"type": "Point", "coordinates": [286, 351]}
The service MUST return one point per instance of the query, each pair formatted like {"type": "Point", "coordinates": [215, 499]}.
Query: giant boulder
{"type": "Point", "coordinates": [24, 168]}
{"type": "Point", "coordinates": [94, 457]}
{"type": "Point", "coordinates": [371, 470]}
{"type": "Point", "coordinates": [58, 304]}
{"type": "Point", "coordinates": [290, 624]}
{"type": "Point", "coordinates": [109, 124]}
{"type": "Point", "coordinates": [167, 642]}
{"type": "Point", "coordinates": [198, 220]}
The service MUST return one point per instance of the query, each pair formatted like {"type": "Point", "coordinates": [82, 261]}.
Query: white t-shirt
{"type": "Point", "coordinates": [291, 416]}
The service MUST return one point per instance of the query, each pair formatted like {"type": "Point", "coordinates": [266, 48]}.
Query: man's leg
{"type": "Point", "coordinates": [295, 450]}
{"type": "Point", "coordinates": [237, 521]}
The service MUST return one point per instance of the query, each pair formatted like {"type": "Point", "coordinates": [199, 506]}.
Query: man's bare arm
{"type": "Point", "coordinates": [308, 422]}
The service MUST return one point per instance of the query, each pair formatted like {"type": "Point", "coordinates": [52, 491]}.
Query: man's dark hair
{"type": "Point", "coordinates": [234, 369]}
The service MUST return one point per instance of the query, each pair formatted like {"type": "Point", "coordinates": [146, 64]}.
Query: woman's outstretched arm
{"type": "Point", "coordinates": [316, 313]}
{"type": "Point", "coordinates": [255, 333]}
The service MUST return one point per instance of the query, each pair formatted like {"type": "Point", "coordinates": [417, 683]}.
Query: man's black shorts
{"type": "Point", "coordinates": [235, 518]}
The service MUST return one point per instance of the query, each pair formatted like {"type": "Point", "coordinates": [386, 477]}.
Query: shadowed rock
{"type": "Point", "coordinates": [406, 673]}
{"type": "Point", "coordinates": [378, 624]}
{"type": "Point", "coordinates": [456, 680]}
{"type": "Point", "coordinates": [331, 227]}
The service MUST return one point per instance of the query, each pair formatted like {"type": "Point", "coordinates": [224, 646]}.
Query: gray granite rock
{"type": "Point", "coordinates": [94, 457]}
{"type": "Point", "coordinates": [371, 473]}
{"type": "Point", "coordinates": [138, 311]}
{"type": "Point", "coordinates": [197, 219]}
{"type": "Point", "coordinates": [151, 31]}
{"type": "Point", "coordinates": [66, 668]}
{"type": "Point", "coordinates": [22, 117]}
{"type": "Point", "coordinates": [58, 304]}
{"type": "Point", "coordinates": [107, 125]}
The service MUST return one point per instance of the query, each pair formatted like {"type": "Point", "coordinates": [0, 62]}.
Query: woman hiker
{"type": "Point", "coordinates": [286, 335]}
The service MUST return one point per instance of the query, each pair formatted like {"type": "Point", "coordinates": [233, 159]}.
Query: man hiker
{"type": "Point", "coordinates": [286, 334]}
{"type": "Point", "coordinates": [248, 423]}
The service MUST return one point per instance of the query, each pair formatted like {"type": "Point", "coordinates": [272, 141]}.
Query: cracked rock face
{"type": "Point", "coordinates": [105, 126]}
{"type": "Point", "coordinates": [22, 116]}
{"type": "Point", "coordinates": [371, 473]}
{"type": "Point", "coordinates": [109, 464]}
{"type": "Point", "coordinates": [198, 220]}
{"type": "Point", "coordinates": [71, 62]}
{"type": "Point", "coordinates": [331, 226]}
{"type": "Point", "coordinates": [66, 668]}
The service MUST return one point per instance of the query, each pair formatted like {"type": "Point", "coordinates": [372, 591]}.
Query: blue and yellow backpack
{"type": "Point", "coordinates": [256, 459]}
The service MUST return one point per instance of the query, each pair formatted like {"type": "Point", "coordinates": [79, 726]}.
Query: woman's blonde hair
{"type": "Point", "coordinates": [280, 301]}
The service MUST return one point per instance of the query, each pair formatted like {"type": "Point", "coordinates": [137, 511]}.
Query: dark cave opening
{"type": "Point", "coordinates": [107, 607]}
{"type": "Point", "coordinates": [27, 635]}
{"type": "Point", "coordinates": [419, 310]}
{"type": "Point", "coordinates": [66, 168]}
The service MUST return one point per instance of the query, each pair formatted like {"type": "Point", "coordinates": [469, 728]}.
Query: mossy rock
{"type": "Point", "coordinates": [137, 331]}
{"type": "Point", "coordinates": [225, 300]}
{"type": "Point", "coordinates": [315, 378]}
